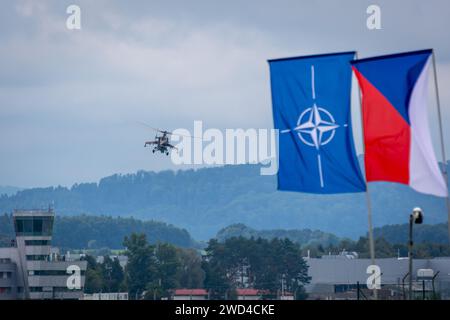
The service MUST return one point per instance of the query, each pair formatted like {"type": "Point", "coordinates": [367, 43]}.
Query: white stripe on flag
{"type": "Point", "coordinates": [424, 173]}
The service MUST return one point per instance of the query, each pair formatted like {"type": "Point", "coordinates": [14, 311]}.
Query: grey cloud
{"type": "Point", "coordinates": [72, 98]}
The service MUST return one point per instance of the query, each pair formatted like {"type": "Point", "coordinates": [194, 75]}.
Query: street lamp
{"type": "Point", "coordinates": [416, 217]}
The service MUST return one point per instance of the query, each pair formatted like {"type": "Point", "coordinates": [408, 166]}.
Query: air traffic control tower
{"type": "Point", "coordinates": [36, 270]}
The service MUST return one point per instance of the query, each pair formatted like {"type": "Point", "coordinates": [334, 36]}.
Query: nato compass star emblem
{"type": "Point", "coordinates": [316, 127]}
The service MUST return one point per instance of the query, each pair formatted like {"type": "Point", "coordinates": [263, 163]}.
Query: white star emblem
{"type": "Point", "coordinates": [315, 126]}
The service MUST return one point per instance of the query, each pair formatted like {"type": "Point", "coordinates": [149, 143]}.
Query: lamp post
{"type": "Point", "coordinates": [415, 218]}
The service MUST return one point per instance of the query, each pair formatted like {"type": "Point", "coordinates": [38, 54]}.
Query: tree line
{"type": "Point", "coordinates": [271, 265]}
{"type": "Point", "coordinates": [96, 232]}
{"type": "Point", "coordinates": [154, 270]}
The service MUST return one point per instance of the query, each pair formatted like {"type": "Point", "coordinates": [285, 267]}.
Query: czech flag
{"type": "Point", "coordinates": [396, 132]}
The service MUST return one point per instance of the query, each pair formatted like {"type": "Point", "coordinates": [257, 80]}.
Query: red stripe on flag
{"type": "Point", "coordinates": [387, 136]}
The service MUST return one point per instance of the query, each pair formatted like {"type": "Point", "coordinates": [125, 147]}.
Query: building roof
{"type": "Point", "coordinates": [247, 292]}
{"type": "Point", "coordinates": [190, 292]}
{"type": "Point", "coordinates": [351, 271]}
{"type": "Point", "coordinates": [33, 213]}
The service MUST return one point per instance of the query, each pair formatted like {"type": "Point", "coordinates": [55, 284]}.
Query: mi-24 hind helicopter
{"type": "Point", "coordinates": [162, 142]}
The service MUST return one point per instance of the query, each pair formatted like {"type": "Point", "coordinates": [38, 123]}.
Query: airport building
{"type": "Point", "coordinates": [31, 269]}
{"type": "Point", "coordinates": [344, 276]}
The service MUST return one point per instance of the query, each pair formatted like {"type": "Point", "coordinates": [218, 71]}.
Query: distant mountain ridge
{"type": "Point", "coordinates": [302, 237]}
{"type": "Point", "coordinates": [9, 190]}
{"type": "Point", "coordinates": [205, 200]}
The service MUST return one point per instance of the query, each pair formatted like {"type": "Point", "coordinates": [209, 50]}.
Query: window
{"type": "Point", "coordinates": [34, 226]}
{"type": "Point", "coordinates": [65, 289]}
{"type": "Point", "coordinates": [19, 226]}
{"type": "Point", "coordinates": [5, 275]}
{"type": "Point", "coordinates": [28, 226]}
{"type": "Point", "coordinates": [344, 287]}
{"type": "Point", "coordinates": [37, 225]}
{"type": "Point", "coordinates": [35, 289]}
{"type": "Point", "coordinates": [37, 257]}
{"type": "Point", "coordinates": [52, 273]}
{"type": "Point", "coordinates": [5, 290]}
{"type": "Point", "coordinates": [37, 242]}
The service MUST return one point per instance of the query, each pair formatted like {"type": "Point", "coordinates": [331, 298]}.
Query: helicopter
{"type": "Point", "coordinates": [162, 142]}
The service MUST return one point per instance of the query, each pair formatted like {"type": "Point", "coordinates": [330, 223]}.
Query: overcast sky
{"type": "Point", "coordinates": [70, 100]}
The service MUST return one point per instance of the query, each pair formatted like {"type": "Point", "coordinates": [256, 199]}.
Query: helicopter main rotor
{"type": "Point", "coordinates": [165, 132]}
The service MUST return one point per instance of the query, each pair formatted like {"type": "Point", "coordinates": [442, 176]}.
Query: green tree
{"type": "Point", "coordinates": [113, 275]}
{"type": "Point", "coordinates": [141, 264]}
{"type": "Point", "coordinates": [216, 280]}
{"type": "Point", "coordinates": [94, 276]}
{"type": "Point", "coordinates": [168, 265]}
{"type": "Point", "coordinates": [190, 274]}
{"type": "Point", "coordinates": [281, 267]}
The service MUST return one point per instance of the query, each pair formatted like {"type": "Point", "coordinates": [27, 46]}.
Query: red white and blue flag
{"type": "Point", "coordinates": [397, 138]}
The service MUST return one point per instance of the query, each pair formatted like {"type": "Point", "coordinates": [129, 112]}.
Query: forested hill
{"type": "Point", "coordinates": [8, 190]}
{"type": "Point", "coordinates": [437, 233]}
{"type": "Point", "coordinates": [303, 237]}
{"type": "Point", "coordinates": [96, 232]}
{"type": "Point", "coordinates": [393, 234]}
{"type": "Point", "coordinates": [205, 200]}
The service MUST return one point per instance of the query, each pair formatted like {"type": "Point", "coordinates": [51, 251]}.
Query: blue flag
{"type": "Point", "coordinates": [311, 109]}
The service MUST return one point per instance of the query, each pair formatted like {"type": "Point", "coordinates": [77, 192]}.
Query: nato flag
{"type": "Point", "coordinates": [311, 110]}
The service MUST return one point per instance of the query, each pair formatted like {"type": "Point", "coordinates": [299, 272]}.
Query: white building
{"type": "Point", "coordinates": [337, 277]}
{"type": "Point", "coordinates": [30, 269]}
{"type": "Point", "coordinates": [106, 296]}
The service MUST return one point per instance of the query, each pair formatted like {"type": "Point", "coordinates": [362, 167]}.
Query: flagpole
{"type": "Point", "coordinates": [441, 134]}
{"type": "Point", "coordinates": [369, 204]}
